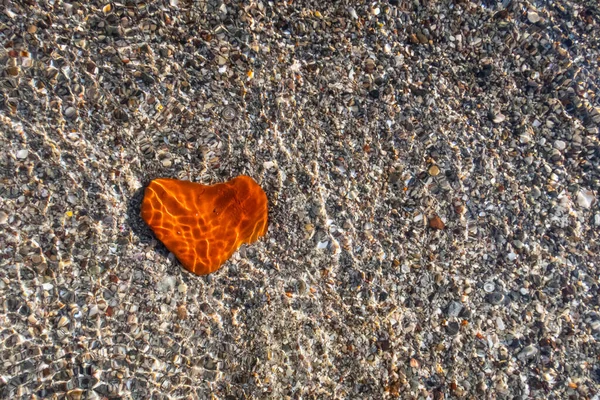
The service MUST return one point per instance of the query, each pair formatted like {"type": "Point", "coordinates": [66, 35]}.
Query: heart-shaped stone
{"type": "Point", "coordinates": [204, 225]}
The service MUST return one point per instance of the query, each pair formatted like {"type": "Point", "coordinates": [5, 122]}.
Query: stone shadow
{"type": "Point", "coordinates": [134, 219]}
{"type": "Point", "coordinates": [137, 224]}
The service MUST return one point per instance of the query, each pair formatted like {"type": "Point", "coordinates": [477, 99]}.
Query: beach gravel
{"type": "Point", "coordinates": [432, 170]}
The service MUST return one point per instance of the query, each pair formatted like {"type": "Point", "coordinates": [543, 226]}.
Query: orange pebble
{"type": "Point", "coordinates": [204, 225]}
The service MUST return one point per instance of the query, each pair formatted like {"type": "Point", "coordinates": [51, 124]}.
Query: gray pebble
{"type": "Point", "coordinates": [495, 298]}
{"type": "Point", "coordinates": [454, 309]}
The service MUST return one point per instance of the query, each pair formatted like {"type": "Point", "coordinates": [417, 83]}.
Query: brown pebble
{"type": "Point", "coordinates": [181, 312]}
{"type": "Point", "coordinates": [459, 209]}
{"type": "Point", "coordinates": [370, 66]}
{"type": "Point", "coordinates": [414, 363]}
{"type": "Point", "coordinates": [12, 71]}
{"type": "Point", "coordinates": [434, 170]}
{"type": "Point", "coordinates": [436, 222]}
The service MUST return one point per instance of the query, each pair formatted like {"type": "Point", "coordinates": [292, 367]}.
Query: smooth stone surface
{"type": "Point", "coordinates": [204, 225]}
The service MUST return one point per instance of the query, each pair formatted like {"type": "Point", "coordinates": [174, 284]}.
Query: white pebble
{"type": "Point", "coordinates": [533, 17]}
{"type": "Point", "coordinates": [70, 112]}
{"type": "Point", "coordinates": [268, 164]}
{"type": "Point", "coordinates": [585, 198]}
{"type": "Point", "coordinates": [21, 154]}
{"type": "Point", "coordinates": [353, 13]}
{"type": "Point", "coordinates": [322, 245]}
{"type": "Point", "coordinates": [527, 353]}
{"type": "Point", "coordinates": [489, 287]}
{"type": "Point", "coordinates": [499, 118]}
{"type": "Point", "coordinates": [167, 284]}
{"type": "Point", "coordinates": [560, 145]}
{"type": "Point", "coordinates": [500, 324]}
{"type": "Point", "coordinates": [93, 310]}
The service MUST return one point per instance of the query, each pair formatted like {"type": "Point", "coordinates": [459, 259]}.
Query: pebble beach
{"type": "Point", "coordinates": [432, 170]}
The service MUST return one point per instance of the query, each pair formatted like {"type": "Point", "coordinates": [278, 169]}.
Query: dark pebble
{"type": "Point", "coordinates": [384, 345]}
{"type": "Point", "coordinates": [465, 313]}
{"type": "Point", "coordinates": [433, 382]}
{"type": "Point", "coordinates": [452, 328]}
{"type": "Point", "coordinates": [383, 296]}
{"type": "Point", "coordinates": [495, 298]}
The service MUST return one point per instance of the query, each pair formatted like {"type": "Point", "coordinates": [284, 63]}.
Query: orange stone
{"type": "Point", "coordinates": [204, 225]}
{"type": "Point", "coordinates": [436, 222]}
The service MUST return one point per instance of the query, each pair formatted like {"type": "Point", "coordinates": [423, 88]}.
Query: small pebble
{"type": "Point", "coordinates": [500, 324]}
{"type": "Point", "coordinates": [436, 222]}
{"type": "Point", "coordinates": [560, 145]}
{"type": "Point", "coordinates": [22, 154]}
{"type": "Point", "coordinates": [495, 298]}
{"type": "Point", "coordinates": [585, 198]}
{"type": "Point", "coordinates": [489, 287]}
{"type": "Point", "coordinates": [167, 284]}
{"type": "Point", "coordinates": [12, 71]}
{"type": "Point", "coordinates": [228, 113]}
{"type": "Point", "coordinates": [70, 112]}
{"type": "Point", "coordinates": [452, 328]}
{"type": "Point", "coordinates": [454, 309]}
{"type": "Point", "coordinates": [182, 312]}
{"type": "Point", "coordinates": [533, 17]}
{"type": "Point", "coordinates": [527, 353]}
{"type": "Point", "coordinates": [93, 310]}
{"type": "Point", "coordinates": [499, 118]}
